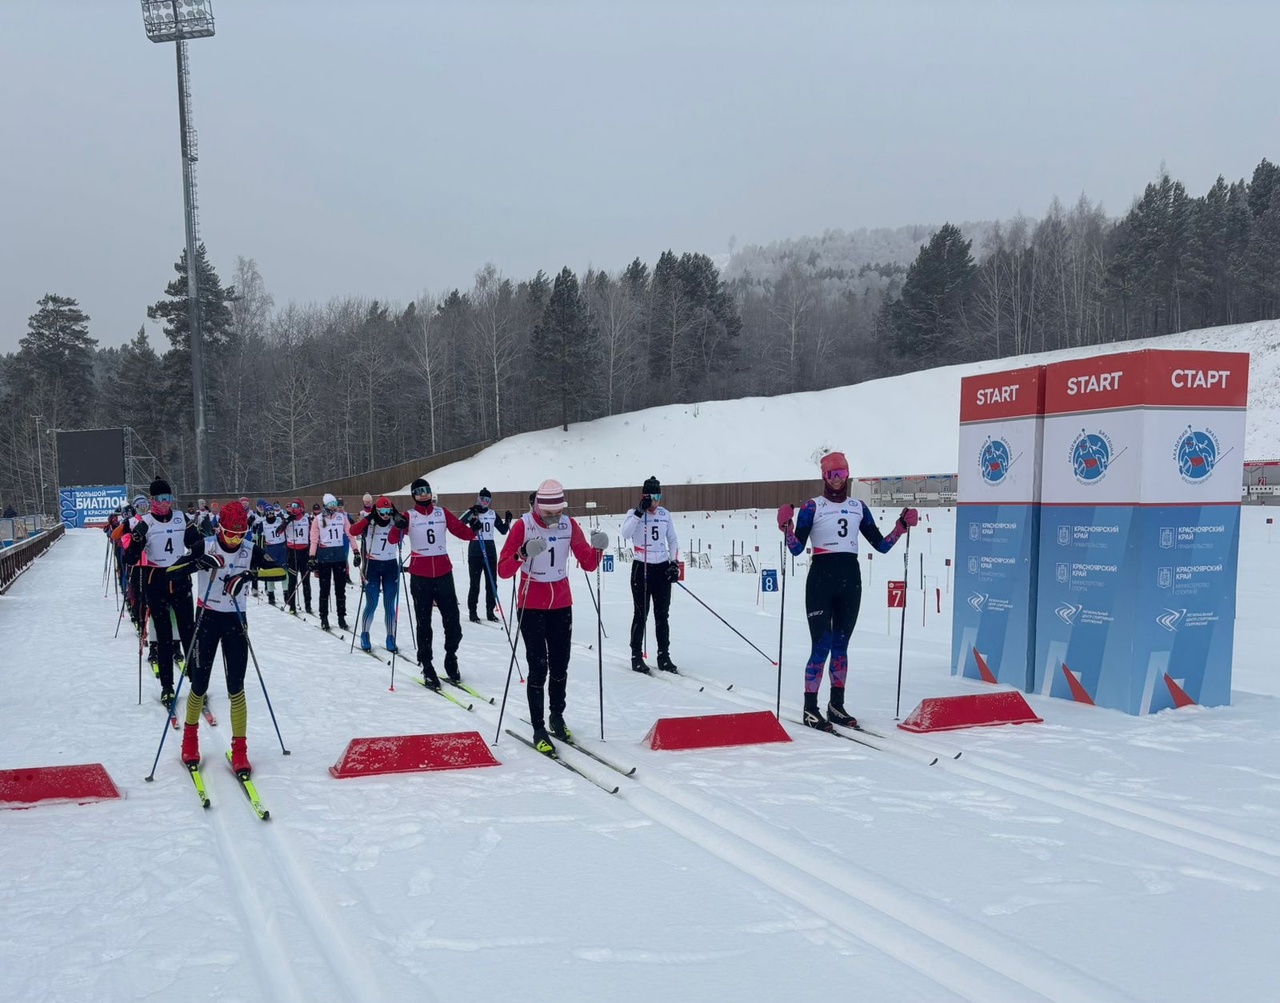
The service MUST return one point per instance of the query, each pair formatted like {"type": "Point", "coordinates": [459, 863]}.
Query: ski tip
{"type": "Point", "coordinates": [935, 761]}
{"type": "Point", "coordinates": [730, 687]}
{"type": "Point", "coordinates": [957, 755]}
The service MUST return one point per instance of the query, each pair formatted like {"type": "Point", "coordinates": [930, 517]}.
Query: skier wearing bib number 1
{"type": "Point", "coordinates": [833, 590]}
{"type": "Point", "coordinates": [431, 577]}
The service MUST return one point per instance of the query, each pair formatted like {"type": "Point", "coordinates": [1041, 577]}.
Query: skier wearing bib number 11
{"type": "Point", "coordinates": [329, 559]}
{"type": "Point", "coordinates": [431, 577]}
{"type": "Point", "coordinates": [833, 590]}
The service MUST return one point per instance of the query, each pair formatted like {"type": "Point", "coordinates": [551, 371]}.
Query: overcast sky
{"type": "Point", "coordinates": [380, 148]}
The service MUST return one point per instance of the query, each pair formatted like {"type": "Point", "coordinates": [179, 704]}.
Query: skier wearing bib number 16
{"type": "Point", "coordinates": [833, 591]}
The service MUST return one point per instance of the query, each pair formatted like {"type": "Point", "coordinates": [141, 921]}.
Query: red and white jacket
{"type": "Point", "coordinates": [544, 580]}
{"type": "Point", "coordinates": [428, 525]}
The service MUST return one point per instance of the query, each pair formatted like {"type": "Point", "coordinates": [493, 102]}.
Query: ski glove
{"type": "Point", "coordinates": [785, 514]}
{"type": "Point", "coordinates": [355, 559]}
{"type": "Point", "coordinates": [400, 521]}
{"type": "Point", "coordinates": [313, 565]}
{"type": "Point", "coordinates": [644, 505]}
{"type": "Point", "coordinates": [909, 517]}
{"type": "Point", "coordinates": [471, 518]}
{"type": "Point", "coordinates": [532, 548]}
{"type": "Point", "coordinates": [599, 539]}
{"type": "Point", "coordinates": [506, 516]}
{"type": "Point", "coordinates": [673, 572]}
{"type": "Point", "coordinates": [139, 531]}
{"type": "Point", "coordinates": [235, 584]}
{"type": "Point", "coordinates": [209, 561]}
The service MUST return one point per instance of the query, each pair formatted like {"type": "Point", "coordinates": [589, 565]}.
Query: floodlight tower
{"type": "Point", "coordinates": [177, 21]}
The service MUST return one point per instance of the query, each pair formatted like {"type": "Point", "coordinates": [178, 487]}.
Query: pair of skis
{"type": "Point", "coordinates": [242, 777]}
{"type": "Point", "coordinates": [554, 756]}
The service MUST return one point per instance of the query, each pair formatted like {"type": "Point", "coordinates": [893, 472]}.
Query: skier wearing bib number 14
{"type": "Point", "coordinates": [833, 591]}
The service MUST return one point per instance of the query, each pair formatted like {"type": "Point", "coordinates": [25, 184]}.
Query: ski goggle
{"type": "Point", "coordinates": [232, 539]}
{"type": "Point", "coordinates": [656, 495]}
{"type": "Point", "coordinates": [422, 492]}
{"type": "Point", "coordinates": [331, 506]}
{"type": "Point", "coordinates": [486, 502]}
{"type": "Point", "coordinates": [840, 472]}
{"type": "Point", "coordinates": [385, 511]}
{"type": "Point", "coordinates": [165, 499]}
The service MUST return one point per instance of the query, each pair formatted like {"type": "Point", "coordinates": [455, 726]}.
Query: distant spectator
{"type": "Point", "coordinates": [9, 513]}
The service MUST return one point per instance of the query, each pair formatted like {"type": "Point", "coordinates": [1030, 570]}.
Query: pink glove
{"type": "Point", "coordinates": [785, 514]}
{"type": "Point", "coordinates": [909, 517]}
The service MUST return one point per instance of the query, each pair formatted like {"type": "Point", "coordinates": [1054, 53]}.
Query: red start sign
{"type": "Point", "coordinates": [897, 594]}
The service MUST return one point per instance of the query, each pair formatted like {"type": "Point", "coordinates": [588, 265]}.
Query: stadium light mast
{"type": "Point", "coordinates": [177, 21]}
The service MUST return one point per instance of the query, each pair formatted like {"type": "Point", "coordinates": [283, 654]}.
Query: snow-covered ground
{"type": "Point", "coordinates": [1091, 857]}
{"type": "Point", "coordinates": [903, 425]}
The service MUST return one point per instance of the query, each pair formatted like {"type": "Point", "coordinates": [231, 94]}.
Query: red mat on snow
{"type": "Point", "coordinates": [715, 731]}
{"type": "Point", "coordinates": [459, 750]}
{"type": "Point", "coordinates": [81, 784]}
{"type": "Point", "coordinates": [974, 710]}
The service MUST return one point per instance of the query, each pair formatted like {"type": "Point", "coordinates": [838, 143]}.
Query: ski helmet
{"type": "Point", "coordinates": [834, 461]}
{"type": "Point", "coordinates": [233, 520]}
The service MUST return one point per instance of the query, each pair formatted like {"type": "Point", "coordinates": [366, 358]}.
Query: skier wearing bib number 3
{"type": "Point", "coordinates": [833, 591]}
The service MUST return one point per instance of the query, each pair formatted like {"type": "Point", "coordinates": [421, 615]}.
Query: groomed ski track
{"type": "Point", "coordinates": [306, 933]}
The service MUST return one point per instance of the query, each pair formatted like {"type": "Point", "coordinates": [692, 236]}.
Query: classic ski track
{"type": "Point", "coordinates": [1256, 853]}
{"type": "Point", "coordinates": [353, 978]}
{"type": "Point", "coordinates": [960, 955]}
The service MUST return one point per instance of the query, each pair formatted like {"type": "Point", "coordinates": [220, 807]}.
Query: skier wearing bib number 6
{"type": "Point", "coordinates": [431, 577]}
{"type": "Point", "coordinates": [831, 524]}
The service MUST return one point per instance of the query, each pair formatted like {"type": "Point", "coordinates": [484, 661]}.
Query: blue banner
{"type": "Point", "coordinates": [995, 597]}
{"type": "Point", "coordinates": [88, 506]}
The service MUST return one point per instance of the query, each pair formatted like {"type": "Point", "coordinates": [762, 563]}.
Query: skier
{"type": "Point", "coordinates": [274, 531]}
{"type": "Point", "coordinates": [298, 543]}
{"type": "Point", "coordinates": [539, 545]}
{"type": "Point", "coordinates": [161, 536]}
{"type": "Point", "coordinates": [833, 590]}
{"type": "Point", "coordinates": [431, 577]}
{"type": "Point", "coordinates": [378, 538]}
{"type": "Point", "coordinates": [225, 561]}
{"type": "Point", "coordinates": [653, 571]}
{"type": "Point", "coordinates": [482, 553]}
{"type": "Point", "coordinates": [329, 542]}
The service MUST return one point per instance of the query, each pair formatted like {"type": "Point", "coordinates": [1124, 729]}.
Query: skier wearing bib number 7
{"type": "Point", "coordinates": [831, 523]}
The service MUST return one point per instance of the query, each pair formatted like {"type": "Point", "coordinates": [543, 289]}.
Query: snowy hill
{"type": "Point", "coordinates": [903, 425]}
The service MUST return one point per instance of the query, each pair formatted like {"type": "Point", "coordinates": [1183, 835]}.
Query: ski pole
{"type": "Point", "coordinates": [599, 644]}
{"type": "Point", "coordinates": [782, 619]}
{"type": "Point", "coordinates": [644, 570]}
{"type": "Point", "coordinates": [524, 591]}
{"type": "Point", "coordinates": [902, 631]}
{"type": "Point", "coordinates": [359, 606]}
{"type": "Point", "coordinates": [725, 622]}
{"type": "Point", "coordinates": [506, 626]}
{"type": "Point", "coordinates": [142, 641]}
{"type": "Point", "coordinates": [244, 626]}
{"type": "Point", "coordinates": [177, 691]}
{"type": "Point", "coordinates": [594, 601]}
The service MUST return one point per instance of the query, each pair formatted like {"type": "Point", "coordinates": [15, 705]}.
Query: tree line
{"type": "Point", "coordinates": [307, 392]}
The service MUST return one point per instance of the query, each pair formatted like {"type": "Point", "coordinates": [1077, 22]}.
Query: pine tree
{"type": "Point", "coordinates": [929, 320]}
{"type": "Point", "coordinates": [55, 361]}
{"type": "Point", "coordinates": [561, 349]}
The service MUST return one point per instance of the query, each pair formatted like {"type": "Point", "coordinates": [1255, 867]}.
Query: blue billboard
{"type": "Point", "coordinates": [90, 506]}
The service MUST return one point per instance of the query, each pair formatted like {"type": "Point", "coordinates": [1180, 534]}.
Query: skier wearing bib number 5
{"type": "Point", "coordinates": [431, 577]}
{"type": "Point", "coordinates": [653, 571]}
{"type": "Point", "coordinates": [831, 524]}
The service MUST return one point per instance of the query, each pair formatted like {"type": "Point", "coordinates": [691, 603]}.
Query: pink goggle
{"type": "Point", "coordinates": [841, 472]}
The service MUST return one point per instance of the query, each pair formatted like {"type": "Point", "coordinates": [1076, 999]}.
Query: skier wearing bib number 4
{"type": "Point", "coordinates": [653, 571]}
{"type": "Point", "coordinates": [431, 577]}
{"type": "Point", "coordinates": [831, 524]}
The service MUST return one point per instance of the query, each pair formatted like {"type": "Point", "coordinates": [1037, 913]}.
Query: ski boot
{"type": "Point", "coordinates": [271, 597]}
{"type": "Point", "coordinates": [559, 728]}
{"type": "Point", "coordinates": [473, 616]}
{"type": "Point", "coordinates": [324, 620]}
{"type": "Point", "coordinates": [307, 606]}
{"type": "Point", "coordinates": [240, 757]}
{"type": "Point", "coordinates": [638, 665]}
{"type": "Point", "coordinates": [191, 744]}
{"type": "Point", "coordinates": [451, 667]}
{"type": "Point", "coordinates": [391, 642]}
{"type": "Point", "coordinates": [542, 741]}
{"type": "Point", "coordinates": [836, 713]}
{"type": "Point", "coordinates": [342, 622]}
{"type": "Point", "coordinates": [492, 617]}
{"type": "Point", "coordinates": [364, 641]}
{"type": "Point", "coordinates": [665, 664]}
{"type": "Point", "coordinates": [812, 716]}
{"type": "Point", "coordinates": [166, 698]}
{"type": "Point", "coordinates": [429, 677]}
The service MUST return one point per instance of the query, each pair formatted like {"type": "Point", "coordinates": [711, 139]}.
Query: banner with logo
{"type": "Point", "coordinates": [90, 506]}
{"type": "Point", "coordinates": [998, 526]}
{"type": "Point", "coordinates": [1140, 519]}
